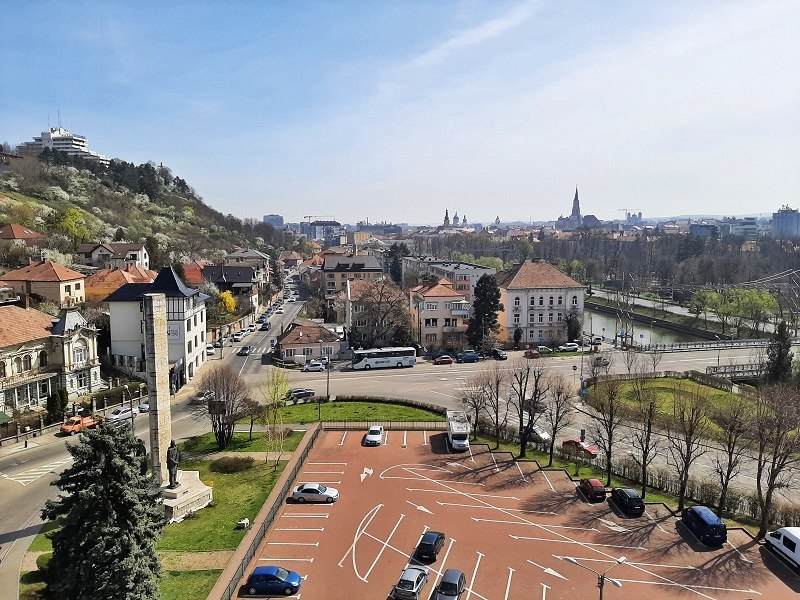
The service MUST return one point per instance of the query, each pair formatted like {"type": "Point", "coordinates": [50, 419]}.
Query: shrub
{"type": "Point", "coordinates": [43, 561]}
{"type": "Point", "coordinates": [232, 464]}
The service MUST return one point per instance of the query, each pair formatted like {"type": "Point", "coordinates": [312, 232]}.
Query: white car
{"type": "Point", "coordinates": [237, 337]}
{"type": "Point", "coordinates": [210, 350]}
{"type": "Point", "coordinates": [279, 311]}
{"type": "Point", "coordinates": [374, 436]}
{"type": "Point", "coordinates": [121, 413]}
{"type": "Point", "coordinates": [144, 406]}
{"type": "Point", "coordinates": [315, 492]}
{"type": "Point", "coordinates": [569, 347]}
{"type": "Point", "coordinates": [313, 366]}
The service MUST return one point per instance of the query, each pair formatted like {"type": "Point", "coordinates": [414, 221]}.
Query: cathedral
{"type": "Point", "coordinates": [457, 222]}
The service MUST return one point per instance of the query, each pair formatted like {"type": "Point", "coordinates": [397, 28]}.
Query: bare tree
{"type": "Point", "coordinates": [687, 427]}
{"type": "Point", "coordinates": [474, 397]}
{"type": "Point", "coordinates": [274, 390]}
{"type": "Point", "coordinates": [253, 410]}
{"type": "Point", "coordinates": [528, 407]}
{"type": "Point", "coordinates": [631, 361]}
{"type": "Point", "coordinates": [655, 357]}
{"type": "Point", "coordinates": [227, 402]}
{"type": "Point", "coordinates": [381, 311]}
{"type": "Point", "coordinates": [600, 365]}
{"type": "Point", "coordinates": [493, 383]}
{"type": "Point", "coordinates": [558, 413]}
{"type": "Point", "coordinates": [645, 412]}
{"type": "Point", "coordinates": [777, 418]}
{"type": "Point", "coordinates": [735, 421]}
{"type": "Point", "coordinates": [607, 418]}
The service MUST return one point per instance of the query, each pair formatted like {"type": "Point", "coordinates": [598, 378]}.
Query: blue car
{"type": "Point", "coordinates": [467, 357]}
{"type": "Point", "coordinates": [272, 580]}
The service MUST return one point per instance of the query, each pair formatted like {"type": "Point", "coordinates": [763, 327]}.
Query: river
{"type": "Point", "coordinates": [602, 324]}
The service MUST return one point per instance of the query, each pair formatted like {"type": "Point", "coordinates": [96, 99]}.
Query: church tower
{"type": "Point", "coordinates": [446, 218]}
{"type": "Point", "coordinates": [576, 207]}
{"type": "Point", "coordinates": [464, 221]}
{"type": "Point", "coordinates": [497, 221]}
{"type": "Point", "coordinates": [456, 220]}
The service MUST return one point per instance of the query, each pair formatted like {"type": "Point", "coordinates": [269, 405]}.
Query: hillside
{"type": "Point", "coordinates": [72, 201]}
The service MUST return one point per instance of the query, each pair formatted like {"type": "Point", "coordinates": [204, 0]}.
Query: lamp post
{"type": "Point", "coordinates": [604, 334]}
{"type": "Point", "coordinates": [601, 577]}
{"type": "Point", "coordinates": [133, 414]}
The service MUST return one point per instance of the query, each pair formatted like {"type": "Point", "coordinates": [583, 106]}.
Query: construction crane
{"type": "Point", "coordinates": [309, 218]}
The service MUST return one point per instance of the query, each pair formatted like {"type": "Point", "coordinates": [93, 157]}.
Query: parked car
{"type": "Point", "coordinates": [299, 392]}
{"type": "Point", "coordinates": [280, 311]}
{"type": "Point", "coordinates": [374, 436]}
{"type": "Point", "coordinates": [291, 299]}
{"type": "Point", "coordinates": [705, 524]}
{"type": "Point", "coordinates": [569, 347]}
{"type": "Point", "coordinates": [202, 397]}
{"type": "Point", "coordinates": [600, 361]}
{"type": "Point", "coordinates": [592, 489]}
{"type": "Point", "coordinates": [144, 406]}
{"type": "Point", "coordinates": [121, 413]}
{"type": "Point", "coordinates": [324, 359]}
{"type": "Point", "coordinates": [272, 580]}
{"type": "Point", "coordinates": [313, 366]}
{"type": "Point", "coordinates": [430, 544]}
{"type": "Point", "coordinates": [544, 350]}
{"type": "Point", "coordinates": [315, 492]}
{"type": "Point", "coordinates": [469, 356]}
{"type": "Point", "coordinates": [452, 585]}
{"type": "Point", "coordinates": [261, 319]}
{"type": "Point", "coordinates": [411, 582]}
{"type": "Point", "coordinates": [628, 501]}
{"type": "Point", "coordinates": [219, 342]}
{"type": "Point", "coordinates": [576, 447]}
{"type": "Point", "coordinates": [540, 435]}
{"type": "Point", "coordinates": [244, 351]}
{"type": "Point", "coordinates": [210, 350]}
{"type": "Point", "coordinates": [237, 337]}
{"type": "Point", "coordinates": [532, 354]}
{"type": "Point", "coordinates": [444, 359]}
{"type": "Point", "coordinates": [597, 340]}
{"type": "Point", "coordinates": [498, 354]}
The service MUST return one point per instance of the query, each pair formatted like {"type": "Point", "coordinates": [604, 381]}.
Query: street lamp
{"type": "Point", "coordinates": [601, 577]}
{"type": "Point", "coordinates": [130, 399]}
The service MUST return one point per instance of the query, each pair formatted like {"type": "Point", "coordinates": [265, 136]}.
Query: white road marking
{"type": "Point", "coordinates": [405, 434]}
{"type": "Point", "coordinates": [496, 469]}
{"type": "Point", "coordinates": [568, 541]}
{"type": "Point", "coordinates": [322, 473]}
{"type": "Point", "coordinates": [303, 516]}
{"type": "Point", "coordinates": [522, 510]}
{"type": "Point", "coordinates": [474, 573]}
{"type": "Point", "coordinates": [548, 570]}
{"type": "Point", "coordinates": [544, 591]}
{"type": "Point", "coordinates": [280, 560]}
{"type": "Point", "coordinates": [383, 547]}
{"type": "Point", "coordinates": [365, 473]}
{"type": "Point", "coordinates": [299, 529]}
{"type": "Point", "coordinates": [419, 507]}
{"type": "Point", "coordinates": [327, 463]}
{"type": "Point", "coordinates": [439, 480]}
{"type": "Point", "coordinates": [613, 526]}
{"type": "Point", "coordinates": [476, 519]}
{"type": "Point", "coordinates": [344, 435]}
{"type": "Point", "coordinates": [649, 516]}
{"type": "Point", "coordinates": [424, 438]}
{"type": "Point", "coordinates": [471, 456]}
{"type": "Point", "coordinates": [443, 394]}
{"type": "Point", "coordinates": [444, 560]}
{"type": "Point", "coordinates": [27, 477]}
{"type": "Point", "coordinates": [292, 543]}
{"type": "Point", "coordinates": [641, 564]}
{"type": "Point", "coordinates": [458, 493]}
{"type": "Point", "coordinates": [520, 471]}
{"type": "Point", "coordinates": [328, 482]}
{"type": "Point", "coordinates": [386, 437]}
{"type": "Point", "coordinates": [508, 584]}
{"type": "Point", "coordinates": [547, 479]}
{"type": "Point", "coordinates": [693, 587]}
{"type": "Point", "coordinates": [360, 530]}
{"type": "Point", "coordinates": [735, 549]}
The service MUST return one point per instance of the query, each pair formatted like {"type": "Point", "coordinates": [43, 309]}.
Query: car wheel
{"type": "Point", "coordinates": [288, 591]}
{"type": "Point", "coordinates": [329, 500]}
{"type": "Point", "coordinates": [367, 367]}
{"type": "Point", "coordinates": [399, 365]}
{"type": "Point", "coordinates": [301, 499]}
{"type": "Point", "coordinates": [252, 591]}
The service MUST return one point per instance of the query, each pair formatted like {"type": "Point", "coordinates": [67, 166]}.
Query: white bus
{"type": "Point", "coordinates": [458, 430]}
{"type": "Point", "coordinates": [377, 358]}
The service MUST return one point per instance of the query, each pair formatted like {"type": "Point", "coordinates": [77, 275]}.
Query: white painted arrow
{"type": "Point", "coordinates": [548, 570]}
{"type": "Point", "coordinates": [366, 473]}
{"type": "Point", "coordinates": [419, 507]}
{"type": "Point", "coordinates": [452, 464]}
{"type": "Point", "coordinates": [613, 526]}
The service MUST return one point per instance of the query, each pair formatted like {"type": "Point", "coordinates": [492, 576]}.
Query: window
{"type": "Point", "coordinates": [83, 379]}
{"type": "Point", "coordinates": [533, 301]}
{"type": "Point", "coordinates": [195, 319]}
{"type": "Point", "coordinates": [42, 358]}
{"type": "Point", "coordinates": [559, 300]}
{"type": "Point", "coordinates": [516, 302]}
{"type": "Point", "coordinates": [541, 317]}
{"type": "Point", "coordinates": [574, 301]}
{"type": "Point", "coordinates": [559, 317]}
{"type": "Point", "coordinates": [431, 305]}
{"type": "Point", "coordinates": [790, 544]}
{"type": "Point", "coordinates": [77, 286]}
{"type": "Point", "coordinates": [541, 300]}
{"type": "Point", "coordinates": [530, 334]}
{"type": "Point", "coordinates": [361, 323]}
{"type": "Point", "coordinates": [308, 351]}
{"type": "Point", "coordinates": [451, 322]}
{"type": "Point", "coordinates": [531, 317]}
{"type": "Point", "coordinates": [202, 336]}
{"type": "Point", "coordinates": [288, 352]}
{"type": "Point", "coordinates": [541, 336]}
{"type": "Point", "coordinates": [516, 319]}
{"type": "Point", "coordinates": [2, 369]}
{"type": "Point", "coordinates": [431, 322]}
{"type": "Point", "coordinates": [189, 347]}
{"type": "Point", "coordinates": [430, 337]}
{"type": "Point", "coordinates": [549, 317]}
{"type": "Point", "coordinates": [188, 324]}
{"type": "Point", "coordinates": [26, 362]}
{"type": "Point", "coordinates": [551, 301]}
{"type": "Point", "coordinates": [44, 388]}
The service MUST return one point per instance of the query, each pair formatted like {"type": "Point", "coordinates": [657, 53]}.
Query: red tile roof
{"type": "Point", "coordinates": [21, 325]}
{"type": "Point", "coordinates": [18, 232]}
{"type": "Point", "coordinates": [43, 271]}
{"type": "Point", "coordinates": [534, 275]}
{"type": "Point", "coordinates": [121, 276]}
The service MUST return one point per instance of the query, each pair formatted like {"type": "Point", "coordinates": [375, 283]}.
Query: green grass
{"type": "Point", "coordinates": [356, 411]}
{"type": "Point", "coordinates": [236, 496]}
{"type": "Point", "coordinates": [31, 586]}
{"type": "Point", "coordinates": [178, 585]}
{"type": "Point", "coordinates": [204, 444]}
{"type": "Point", "coordinates": [42, 543]}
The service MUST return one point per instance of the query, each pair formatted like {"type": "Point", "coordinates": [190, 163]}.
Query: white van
{"type": "Point", "coordinates": [786, 541]}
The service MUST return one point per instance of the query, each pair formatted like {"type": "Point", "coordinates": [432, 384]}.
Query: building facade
{"type": "Point", "coordinates": [258, 261]}
{"type": "Point", "coordinates": [539, 299]}
{"type": "Point", "coordinates": [307, 339]}
{"type": "Point", "coordinates": [58, 138]}
{"type": "Point", "coordinates": [439, 315]}
{"type": "Point", "coordinates": [338, 269]}
{"type": "Point", "coordinates": [113, 255]}
{"type": "Point", "coordinates": [786, 223]}
{"type": "Point", "coordinates": [39, 354]}
{"type": "Point", "coordinates": [464, 276]}
{"type": "Point", "coordinates": [275, 220]}
{"type": "Point", "coordinates": [49, 281]}
{"type": "Point", "coordinates": [101, 284]}
{"type": "Point", "coordinates": [186, 327]}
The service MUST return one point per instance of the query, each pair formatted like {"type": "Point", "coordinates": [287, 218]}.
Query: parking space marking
{"type": "Point", "coordinates": [292, 543]}
{"type": "Point", "coordinates": [548, 570]}
{"type": "Point", "coordinates": [508, 584]}
{"type": "Point", "coordinates": [649, 516]}
{"type": "Point", "coordinates": [693, 588]}
{"type": "Point", "coordinates": [424, 438]}
{"type": "Point", "coordinates": [383, 547]}
{"type": "Point", "coordinates": [303, 516]}
{"type": "Point", "coordinates": [299, 529]}
{"type": "Point", "coordinates": [474, 574]}
{"type": "Point", "coordinates": [522, 510]}
{"type": "Point", "coordinates": [344, 435]}
{"type": "Point", "coordinates": [471, 456]}
{"type": "Point", "coordinates": [444, 560]}
{"type": "Point", "coordinates": [386, 438]}
{"type": "Point", "coordinates": [326, 463]}
{"type": "Point", "coordinates": [641, 564]}
{"type": "Point", "coordinates": [496, 469]}
{"type": "Point", "coordinates": [476, 519]}
{"type": "Point", "coordinates": [405, 436]}
{"type": "Point", "coordinates": [359, 531]}
{"type": "Point", "coordinates": [459, 493]}
{"type": "Point", "coordinates": [569, 541]}
{"type": "Point", "coordinates": [328, 482]}
{"type": "Point", "coordinates": [521, 474]}
{"type": "Point", "coordinates": [547, 479]}
{"type": "Point", "coordinates": [322, 473]}
{"type": "Point", "coordinates": [280, 560]}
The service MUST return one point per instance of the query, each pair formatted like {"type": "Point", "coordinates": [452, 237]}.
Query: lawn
{"type": "Point", "coordinates": [205, 444]}
{"type": "Point", "coordinates": [41, 543]}
{"type": "Point", "coordinates": [31, 586]}
{"type": "Point", "coordinates": [356, 411]}
{"type": "Point", "coordinates": [236, 496]}
{"type": "Point", "coordinates": [177, 585]}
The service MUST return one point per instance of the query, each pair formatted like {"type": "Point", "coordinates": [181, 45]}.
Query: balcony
{"type": "Point", "coordinates": [82, 364]}
{"type": "Point", "coordinates": [460, 309]}
{"type": "Point", "coordinates": [28, 376]}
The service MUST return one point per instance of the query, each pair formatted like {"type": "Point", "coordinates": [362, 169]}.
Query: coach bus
{"type": "Point", "coordinates": [377, 358]}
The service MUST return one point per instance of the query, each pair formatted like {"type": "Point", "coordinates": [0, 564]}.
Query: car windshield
{"type": "Point", "coordinates": [281, 574]}
{"type": "Point", "coordinates": [405, 584]}
{"type": "Point", "coordinates": [116, 411]}
{"type": "Point", "coordinates": [321, 488]}
{"type": "Point", "coordinates": [448, 588]}
{"type": "Point", "coordinates": [374, 431]}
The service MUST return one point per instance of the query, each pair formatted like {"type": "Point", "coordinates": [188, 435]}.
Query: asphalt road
{"type": "Point", "coordinates": [26, 473]}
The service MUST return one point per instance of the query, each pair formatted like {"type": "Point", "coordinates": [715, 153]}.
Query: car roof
{"type": "Point", "coordinates": [594, 482]}
{"type": "Point", "coordinates": [265, 570]}
{"type": "Point", "coordinates": [451, 575]}
{"type": "Point", "coordinates": [431, 536]}
{"type": "Point", "coordinates": [628, 492]}
{"type": "Point", "coordinates": [411, 573]}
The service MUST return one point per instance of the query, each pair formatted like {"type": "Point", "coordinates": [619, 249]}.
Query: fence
{"type": "Point", "coordinates": [713, 345]}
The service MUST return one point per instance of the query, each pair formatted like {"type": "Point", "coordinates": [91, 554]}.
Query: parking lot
{"type": "Point", "coordinates": [508, 527]}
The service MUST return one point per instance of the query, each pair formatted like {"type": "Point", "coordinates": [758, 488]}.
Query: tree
{"type": "Point", "coordinates": [529, 407]}
{"type": "Point", "coordinates": [777, 418]}
{"type": "Point", "coordinates": [493, 384]}
{"type": "Point", "coordinates": [254, 411]}
{"type": "Point", "coordinates": [381, 313]}
{"type": "Point", "coordinates": [395, 254]}
{"type": "Point", "coordinates": [735, 421]}
{"type": "Point", "coordinates": [227, 303]}
{"type": "Point", "coordinates": [517, 337]}
{"type": "Point", "coordinates": [227, 401]}
{"type": "Point", "coordinates": [608, 404]}
{"type": "Point", "coordinates": [274, 390]}
{"type": "Point", "coordinates": [778, 365]}
{"type": "Point", "coordinates": [57, 403]}
{"type": "Point", "coordinates": [574, 321]}
{"type": "Point", "coordinates": [687, 428]}
{"type": "Point", "coordinates": [558, 413]}
{"type": "Point", "coordinates": [474, 397]}
{"type": "Point", "coordinates": [485, 306]}
{"type": "Point", "coordinates": [112, 519]}
{"type": "Point", "coordinates": [645, 412]}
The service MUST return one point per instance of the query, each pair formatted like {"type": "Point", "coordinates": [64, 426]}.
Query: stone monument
{"type": "Point", "coordinates": [185, 492]}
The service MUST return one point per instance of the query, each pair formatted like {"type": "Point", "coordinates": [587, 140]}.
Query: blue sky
{"type": "Point", "coordinates": [397, 110]}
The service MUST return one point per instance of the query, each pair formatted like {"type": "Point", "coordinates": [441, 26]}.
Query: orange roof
{"type": "Point", "coordinates": [119, 277]}
{"type": "Point", "coordinates": [20, 325]}
{"type": "Point", "coordinates": [534, 275]}
{"type": "Point", "coordinates": [442, 289]}
{"type": "Point", "coordinates": [308, 334]}
{"type": "Point", "coordinates": [193, 272]}
{"type": "Point", "coordinates": [18, 232]}
{"type": "Point", "coordinates": [43, 271]}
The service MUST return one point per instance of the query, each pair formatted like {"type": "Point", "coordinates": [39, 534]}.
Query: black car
{"type": "Point", "coordinates": [430, 544]}
{"type": "Point", "coordinates": [300, 393]}
{"type": "Point", "coordinates": [628, 501]}
{"type": "Point", "coordinates": [244, 351]}
{"type": "Point", "coordinates": [451, 586]}
{"type": "Point", "coordinates": [498, 354]}
{"type": "Point", "coordinates": [265, 326]}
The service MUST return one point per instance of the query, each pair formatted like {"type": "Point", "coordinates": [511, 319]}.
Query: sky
{"type": "Point", "coordinates": [396, 111]}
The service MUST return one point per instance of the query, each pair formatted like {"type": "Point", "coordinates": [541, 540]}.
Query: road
{"type": "Point", "coordinates": [26, 473]}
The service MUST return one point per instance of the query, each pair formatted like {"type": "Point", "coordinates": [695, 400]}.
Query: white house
{"type": "Point", "coordinates": [113, 255]}
{"type": "Point", "coordinates": [186, 327]}
{"type": "Point", "coordinates": [539, 299]}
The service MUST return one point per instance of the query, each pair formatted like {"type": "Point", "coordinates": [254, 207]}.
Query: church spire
{"type": "Point", "coordinates": [446, 217]}
{"type": "Point", "coordinates": [576, 206]}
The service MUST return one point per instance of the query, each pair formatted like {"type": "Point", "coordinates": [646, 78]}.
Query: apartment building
{"type": "Point", "coordinates": [439, 315]}
{"type": "Point", "coordinates": [113, 255]}
{"type": "Point", "coordinates": [338, 269]}
{"type": "Point", "coordinates": [464, 276]}
{"type": "Point", "coordinates": [50, 281]}
{"type": "Point", "coordinates": [58, 138]}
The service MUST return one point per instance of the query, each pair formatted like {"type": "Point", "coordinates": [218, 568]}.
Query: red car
{"type": "Point", "coordinates": [444, 359]}
{"type": "Point", "coordinates": [532, 354]}
{"type": "Point", "coordinates": [576, 447]}
{"type": "Point", "coordinates": [593, 489]}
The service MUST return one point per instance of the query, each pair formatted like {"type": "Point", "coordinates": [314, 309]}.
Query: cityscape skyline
{"type": "Point", "coordinates": [386, 112]}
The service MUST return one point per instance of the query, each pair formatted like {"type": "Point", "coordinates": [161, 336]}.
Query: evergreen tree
{"type": "Point", "coordinates": [485, 305]}
{"type": "Point", "coordinates": [57, 403]}
{"type": "Point", "coordinates": [778, 366]}
{"type": "Point", "coordinates": [112, 519]}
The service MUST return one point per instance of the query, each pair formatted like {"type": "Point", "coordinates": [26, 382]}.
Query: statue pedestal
{"type": "Point", "coordinates": [192, 495]}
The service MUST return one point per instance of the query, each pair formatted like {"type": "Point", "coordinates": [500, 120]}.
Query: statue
{"type": "Point", "coordinates": [140, 452]}
{"type": "Point", "coordinates": [173, 458]}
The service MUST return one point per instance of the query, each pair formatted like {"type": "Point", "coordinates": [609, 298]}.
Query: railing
{"type": "Point", "coordinates": [388, 425]}
{"type": "Point", "coordinates": [28, 376]}
{"type": "Point", "coordinates": [750, 370]}
{"type": "Point", "coordinates": [712, 345]}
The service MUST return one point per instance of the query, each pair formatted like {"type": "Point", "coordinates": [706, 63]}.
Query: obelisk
{"type": "Point", "coordinates": [156, 352]}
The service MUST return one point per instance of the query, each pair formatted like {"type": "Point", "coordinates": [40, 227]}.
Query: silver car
{"type": "Point", "coordinates": [411, 582]}
{"type": "Point", "coordinates": [315, 492]}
